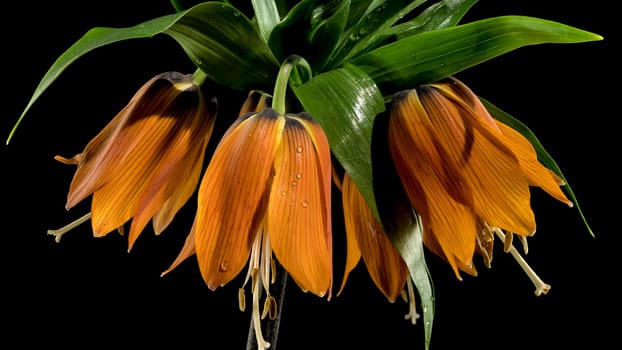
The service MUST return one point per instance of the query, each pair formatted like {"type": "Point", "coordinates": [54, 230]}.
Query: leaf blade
{"type": "Point", "coordinates": [345, 102]}
{"type": "Point", "coordinates": [434, 55]}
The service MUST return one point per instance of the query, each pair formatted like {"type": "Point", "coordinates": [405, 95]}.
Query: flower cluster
{"type": "Point", "coordinates": [264, 195]}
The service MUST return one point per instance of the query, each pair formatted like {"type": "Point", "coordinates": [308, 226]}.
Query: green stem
{"type": "Point", "coordinates": [282, 80]}
{"type": "Point", "coordinates": [199, 77]}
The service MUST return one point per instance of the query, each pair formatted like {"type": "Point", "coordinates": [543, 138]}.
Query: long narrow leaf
{"type": "Point", "coordinates": [217, 37]}
{"type": "Point", "coordinates": [225, 45]}
{"type": "Point", "coordinates": [381, 15]}
{"type": "Point", "coordinates": [443, 14]}
{"type": "Point", "coordinates": [401, 223]}
{"type": "Point", "coordinates": [267, 15]}
{"type": "Point", "coordinates": [437, 54]}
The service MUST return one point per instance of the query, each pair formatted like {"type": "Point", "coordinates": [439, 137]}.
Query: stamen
{"type": "Point", "coordinates": [253, 263]}
{"type": "Point", "coordinates": [485, 240]}
{"type": "Point", "coordinates": [269, 308]}
{"type": "Point", "coordinates": [241, 299]}
{"type": "Point", "coordinates": [58, 233]}
{"type": "Point", "coordinates": [265, 264]}
{"type": "Point", "coordinates": [262, 344]}
{"type": "Point", "coordinates": [541, 287]}
{"type": "Point", "coordinates": [507, 242]}
{"type": "Point", "coordinates": [523, 240]}
{"type": "Point", "coordinates": [404, 295]}
{"type": "Point", "coordinates": [412, 314]}
{"type": "Point", "coordinates": [273, 269]}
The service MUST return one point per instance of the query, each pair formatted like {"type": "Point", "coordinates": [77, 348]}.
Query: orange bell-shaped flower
{"type": "Point", "coordinates": [146, 163]}
{"type": "Point", "coordinates": [463, 170]}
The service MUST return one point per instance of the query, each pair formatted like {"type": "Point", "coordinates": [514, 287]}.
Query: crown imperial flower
{"type": "Point", "coordinates": [145, 164]}
{"type": "Point", "coordinates": [463, 171]}
{"type": "Point", "coordinates": [266, 191]}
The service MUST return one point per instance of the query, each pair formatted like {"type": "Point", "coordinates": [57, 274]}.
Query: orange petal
{"type": "Point", "coordinates": [186, 251]}
{"type": "Point", "coordinates": [435, 188]}
{"type": "Point", "coordinates": [298, 220]}
{"type": "Point", "coordinates": [537, 174]}
{"type": "Point", "coordinates": [500, 189]}
{"type": "Point", "coordinates": [177, 173]}
{"type": "Point", "coordinates": [229, 207]}
{"type": "Point", "coordinates": [157, 137]}
{"type": "Point", "coordinates": [103, 155]}
{"type": "Point", "coordinates": [256, 101]}
{"type": "Point", "coordinates": [384, 263]}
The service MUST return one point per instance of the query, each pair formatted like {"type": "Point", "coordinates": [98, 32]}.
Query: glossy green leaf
{"type": "Point", "coordinates": [443, 14]}
{"type": "Point", "coordinates": [327, 22]}
{"type": "Point", "coordinates": [267, 15]}
{"type": "Point", "coordinates": [543, 156]}
{"type": "Point", "coordinates": [217, 37]}
{"type": "Point", "coordinates": [310, 30]}
{"type": "Point", "coordinates": [357, 10]}
{"type": "Point", "coordinates": [225, 45]}
{"type": "Point", "coordinates": [433, 55]}
{"type": "Point", "coordinates": [401, 223]}
{"type": "Point", "coordinates": [345, 102]}
{"type": "Point", "coordinates": [409, 242]}
{"type": "Point", "coordinates": [380, 15]}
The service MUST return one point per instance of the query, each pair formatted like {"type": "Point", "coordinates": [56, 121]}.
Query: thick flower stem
{"type": "Point", "coordinates": [282, 80]}
{"type": "Point", "coordinates": [270, 327]}
{"type": "Point", "coordinates": [199, 77]}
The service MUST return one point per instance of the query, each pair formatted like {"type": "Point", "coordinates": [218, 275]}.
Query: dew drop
{"type": "Point", "coordinates": [224, 265]}
{"type": "Point", "coordinates": [283, 193]}
{"type": "Point", "coordinates": [294, 183]}
{"type": "Point", "coordinates": [304, 203]}
{"type": "Point", "coordinates": [299, 149]}
{"type": "Point", "coordinates": [298, 176]}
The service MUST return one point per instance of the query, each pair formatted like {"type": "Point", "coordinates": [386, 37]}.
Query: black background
{"type": "Point", "coordinates": [90, 292]}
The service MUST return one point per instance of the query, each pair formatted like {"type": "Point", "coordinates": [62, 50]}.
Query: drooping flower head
{"type": "Point", "coordinates": [266, 190]}
{"type": "Point", "coordinates": [366, 239]}
{"type": "Point", "coordinates": [464, 172]}
{"type": "Point", "coordinates": [146, 163]}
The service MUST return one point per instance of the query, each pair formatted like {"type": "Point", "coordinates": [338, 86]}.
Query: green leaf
{"type": "Point", "coordinates": [437, 54]}
{"type": "Point", "coordinates": [310, 30]}
{"type": "Point", "coordinates": [443, 14]}
{"type": "Point", "coordinates": [345, 102]}
{"type": "Point", "coordinates": [380, 15]}
{"type": "Point", "coordinates": [267, 15]}
{"type": "Point", "coordinates": [225, 44]}
{"type": "Point", "coordinates": [543, 156]}
{"type": "Point", "coordinates": [409, 242]}
{"type": "Point", "coordinates": [357, 9]}
{"type": "Point", "coordinates": [217, 37]}
{"type": "Point", "coordinates": [401, 223]}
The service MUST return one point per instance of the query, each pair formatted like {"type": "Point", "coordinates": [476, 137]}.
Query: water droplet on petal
{"type": "Point", "coordinates": [224, 265]}
{"type": "Point", "coordinates": [304, 203]}
{"type": "Point", "coordinates": [299, 149]}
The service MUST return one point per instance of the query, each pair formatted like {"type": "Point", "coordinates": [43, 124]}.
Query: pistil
{"type": "Point", "coordinates": [58, 233]}
{"type": "Point", "coordinates": [541, 287]}
{"type": "Point", "coordinates": [412, 314]}
{"type": "Point", "coordinates": [261, 273]}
